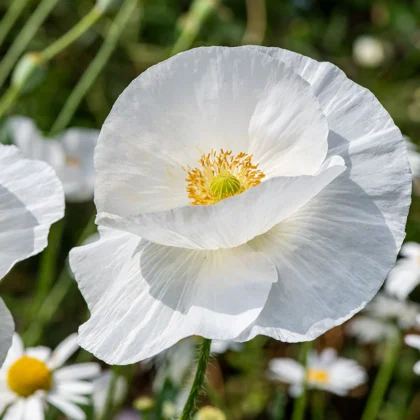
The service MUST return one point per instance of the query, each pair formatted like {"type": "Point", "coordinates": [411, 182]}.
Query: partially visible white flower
{"type": "Point", "coordinates": [369, 51]}
{"type": "Point", "coordinates": [31, 200]}
{"type": "Point", "coordinates": [369, 330]}
{"type": "Point", "coordinates": [222, 346]}
{"type": "Point", "coordinates": [34, 376]}
{"type": "Point", "coordinates": [70, 154]}
{"type": "Point", "coordinates": [413, 340]}
{"type": "Point", "coordinates": [324, 371]}
{"type": "Point", "coordinates": [405, 276]}
{"type": "Point", "coordinates": [209, 413]}
{"type": "Point", "coordinates": [413, 157]}
{"type": "Point", "coordinates": [101, 386]}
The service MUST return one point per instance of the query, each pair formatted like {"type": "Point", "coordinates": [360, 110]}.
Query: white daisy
{"type": "Point", "coordinates": [222, 346]}
{"type": "Point", "coordinates": [405, 276]}
{"type": "Point", "coordinates": [369, 330]}
{"type": "Point", "coordinates": [413, 340]}
{"type": "Point", "coordinates": [240, 191]}
{"type": "Point", "coordinates": [70, 154]}
{"type": "Point", "coordinates": [325, 371]}
{"type": "Point", "coordinates": [31, 200]}
{"type": "Point", "coordinates": [29, 378]}
{"type": "Point", "coordinates": [369, 51]}
{"type": "Point", "coordinates": [101, 387]}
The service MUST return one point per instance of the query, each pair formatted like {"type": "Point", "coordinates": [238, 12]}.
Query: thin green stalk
{"type": "Point", "coordinates": [203, 359]}
{"type": "Point", "coordinates": [74, 33]}
{"type": "Point", "coordinates": [10, 17]}
{"type": "Point", "coordinates": [56, 295]}
{"type": "Point", "coordinates": [48, 266]}
{"type": "Point", "coordinates": [8, 99]}
{"type": "Point", "coordinates": [95, 67]}
{"type": "Point", "coordinates": [109, 402]}
{"type": "Point", "coordinates": [318, 405]}
{"type": "Point", "coordinates": [300, 403]}
{"type": "Point", "coordinates": [25, 36]}
{"type": "Point", "coordinates": [200, 10]}
{"type": "Point", "coordinates": [383, 378]}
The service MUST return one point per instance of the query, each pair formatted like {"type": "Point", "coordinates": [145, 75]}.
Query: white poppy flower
{"type": "Point", "coordinates": [101, 386]}
{"type": "Point", "coordinates": [31, 377]}
{"type": "Point", "coordinates": [222, 346]}
{"type": "Point", "coordinates": [325, 371]}
{"type": "Point", "coordinates": [413, 157]}
{"type": "Point", "coordinates": [70, 154]}
{"type": "Point", "coordinates": [240, 191]}
{"type": "Point", "coordinates": [369, 52]}
{"type": "Point", "coordinates": [405, 276]}
{"type": "Point", "coordinates": [31, 200]}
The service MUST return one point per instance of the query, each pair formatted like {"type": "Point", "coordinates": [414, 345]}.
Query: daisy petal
{"type": "Point", "coordinates": [80, 371]}
{"type": "Point", "coordinates": [403, 279]}
{"type": "Point", "coordinates": [69, 409]}
{"type": "Point", "coordinates": [416, 368]}
{"type": "Point", "coordinates": [74, 387]}
{"type": "Point", "coordinates": [166, 293]}
{"type": "Point", "coordinates": [31, 199]}
{"type": "Point", "coordinates": [16, 350]}
{"type": "Point", "coordinates": [17, 411]}
{"type": "Point", "coordinates": [286, 370]}
{"type": "Point", "coordinates": [34, 408]}
{"type": "Point", "coordinates": [63, 352]}
{"type": "Point", "coordinates": [7, 327]}
{"type": "Point", "coordinates": [41, 353]}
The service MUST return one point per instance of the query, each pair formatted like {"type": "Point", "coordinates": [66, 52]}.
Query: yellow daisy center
{"type": "Point", "coordinates": [221, 175]}
{"type": "Point", "coordinates": [28, 375]}
{"type": "Point", "coordinates": [317, 375]}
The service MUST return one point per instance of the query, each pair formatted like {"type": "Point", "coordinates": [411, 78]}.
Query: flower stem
{"type": "Point", "coordinates": [109, 402]}
{"type": "Point", "coordinates": [300, 403]}
{"type": "Point", "coordinates": [203, 358]}
{"type": "Point", "coordinates": [95, 67]}
{"type": "Point", "coordinates": [199, 11]}
{"type": "Point", "coordinates": [9, 19]}
{"type": "Point", "coordinates": [25, 36]}
{"type": "Point", "coordinates": [318, 405]}
{"type": "Point", "coordinates": [383, 378]}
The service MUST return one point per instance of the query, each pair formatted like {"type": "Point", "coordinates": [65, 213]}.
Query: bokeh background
{"type": "Point", "coordinates": [376, 43]}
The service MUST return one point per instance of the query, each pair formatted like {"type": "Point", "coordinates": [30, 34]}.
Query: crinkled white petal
{"type": "Point", "coordinates": [68, 408]}
{"type": "Point", "coordinates": [7, 327]}
{"type": "Point", "coordinates": [286, 370]}
{"type": "Point", "coordinates": [144, 297]}
{"type": "Point", "coordinates": [233, 221]}
{"type": "Point", "coordinates": [412, 340]}
{"type": "Point", "coordinates": [63, 352]}
{"type": "Point", "coordinates": [206, 98]}
{"type": "Point", "coordinates": [333, 254]}
{"type": "Point", "coordinates": [31, 199]}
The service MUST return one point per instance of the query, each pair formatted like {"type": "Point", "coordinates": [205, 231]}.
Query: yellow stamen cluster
{"type": "Point", "coordinates": [317, 376]}
{"type": "Point", "coordinates": [28, 375]}
{"type": "Point", "coordinates": [221, 175]}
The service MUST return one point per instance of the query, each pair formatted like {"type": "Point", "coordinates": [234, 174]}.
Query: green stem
{"type": "Point", "coordinates": [200, 10]}
{"type": "Point", "coordinates": [74, 33]}
{"type": "Point", "coordinates": [8, 99]}
{"type": "Point", "coordinates": [318, 405]}
{"type": "Point", "coordinates": [300, 403]}
{"type": "Point", "coordinates": [95, 67]}
{"type": "Point", "coordinates": [109, 402]}
{"type": "Point", "coordinates": [9, 19]}
{"type": "Point", "coordinates": [383, 378]}
{"type": "Point", "coordinates": [25, 36]}
{"type": "Point", "coordinates": [56, 295]}
{"type": "Point", "coordinates": [48, 266]}
{"type": "Point", "coordinates": [203, 358]}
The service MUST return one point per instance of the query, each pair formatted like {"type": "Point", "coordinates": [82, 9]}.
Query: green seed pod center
{"type": "Point", "coordinates": [224, 185]}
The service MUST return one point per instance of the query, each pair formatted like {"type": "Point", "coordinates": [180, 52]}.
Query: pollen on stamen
{"type": "Point", "coordinates": [220, 176]}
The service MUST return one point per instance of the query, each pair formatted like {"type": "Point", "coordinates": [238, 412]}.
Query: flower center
{"type": "Point", "coordinates": [28, 375]}
{"type": "Point", "coordinates": [72, 161]}
{"type": "Point", "coordinates": [317, 376]}
{"type": "Point", "coordinates": [221, 175]}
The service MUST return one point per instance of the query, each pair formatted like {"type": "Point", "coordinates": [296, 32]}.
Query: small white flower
{"type": "Point", "coordinates": [70, 154]}
{"type": "Point", "coordinates": [405, 276]}
{"type": "Point", "coordinates": [29, 378]}
{"type": "Point", "coordinates": [222, 346]}
{"type": "Point", "coordinates": [325, 371]}
{"type": "Point", "coordinates": [101, 386]}
{"type": "Point", "coordinates": [31, 200]}
{"type": "Point", "coordinates": [240, 191]}
{"type": "Point", "coordinates": [413, 157]}
{"type": "Point", "coordinates": [369, 330]}
{"type": "Point", "coordinates": [369, 51]}
{"type": "Point", "coordinates": [413, 340]}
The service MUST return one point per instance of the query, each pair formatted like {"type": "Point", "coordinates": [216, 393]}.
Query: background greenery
{"type": "Point", "coordinates": [325, 30]}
